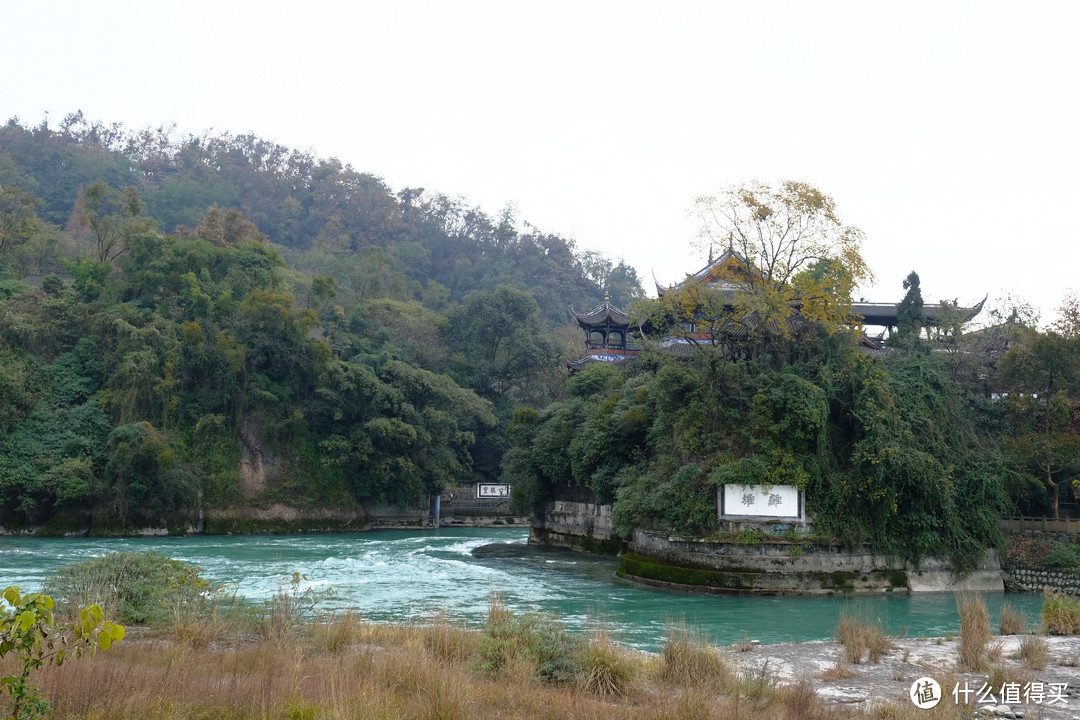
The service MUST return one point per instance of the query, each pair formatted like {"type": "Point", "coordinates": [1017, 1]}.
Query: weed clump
{"type": "Point", "coordinates": [1034, 652]}
{"type": "Point", "coordinates": [689, 661]}
{"type": "Point", "coordinates": [861, 637]}
{"type": "Point", "coordinates": [540, 642]}
{"type": "Point", "coordinates": [976, 649]}
{"type": "Point", "coordinates": [1060, 614]}
{"type": "Point", "coordinates": [1012, 621]}
{"type": "Point", "coordinates": [604, 668]}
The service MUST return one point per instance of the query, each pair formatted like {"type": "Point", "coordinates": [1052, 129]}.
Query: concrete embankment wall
{"type": "Point", "coordinates": [576, 525]}
{"type": "Point", "coordinates": [768, 567]}
{"type": "Point", "coordinates": [460, 509]}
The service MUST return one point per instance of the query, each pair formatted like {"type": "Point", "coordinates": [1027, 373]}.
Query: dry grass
{"type": "Point", "coordinates": [1012, 621]}
{"type": "Point", "coordinates": [605, 668]}
{"type": "Point", "coordinates": [1034, 651]}
{"type": "Point", "coordinates": [689, 660]}
{"type": "Point", "coordinates": [1061, 614]}
{"type": "Point", "coordinates": [449, 643]}
{"type": "Point", "coordinates": [343, 667]}
{"type": "Point", "coordinates": [840, 671]}
{"type": "Point", "coordinates": [977, 648]}
{"type": "Point", "coordinates": [1002, 674]}
{"type": "Point", "coordinates": [861, 637]}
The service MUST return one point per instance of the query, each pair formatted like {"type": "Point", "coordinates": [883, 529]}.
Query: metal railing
{"type": "Point", "coordinates": [470, 507]}
{"type": "Point", "coordinates": [1043, 524]}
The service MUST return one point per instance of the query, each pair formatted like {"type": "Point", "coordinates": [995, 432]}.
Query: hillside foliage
{"type": "Point", "coordinates": [172, 308]}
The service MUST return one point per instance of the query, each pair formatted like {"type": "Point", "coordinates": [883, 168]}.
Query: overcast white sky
{"type": "Point", "coordinates": [947, 131]}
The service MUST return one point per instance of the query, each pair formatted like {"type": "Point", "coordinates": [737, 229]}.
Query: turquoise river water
{"type": "Point", "coordinates": [397, 576]}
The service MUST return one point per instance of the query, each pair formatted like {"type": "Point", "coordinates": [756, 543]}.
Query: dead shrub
{"type": "Point", "coordinates": [976, 649]}
{"type": "Point", "coordinates": [1012, 621]}
{"type": "Point", "coordinates": [1060, 614]}
{"type": "Point", "coordinates": [689, 660]}
{"type": "Point", "coordinates": [861, 637]}
{"type": "Point", "coordinates": [1034, 651]}
{"type": "Point", "coordinates": [840, 671]}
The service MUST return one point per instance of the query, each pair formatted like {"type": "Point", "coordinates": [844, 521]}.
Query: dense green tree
{"type": "Point", "coordinates": [910, 317]}
{"type": "Point", "coordinates": [497, 345]}
{"type": "Point", "coordinates": [1042, 377]}
{"type": "Point", "coordinates": [396, 431]}
{"type": "Point", "coordinates": [114, 218]}
{"type": "Point", "coordinates": [18, 218]}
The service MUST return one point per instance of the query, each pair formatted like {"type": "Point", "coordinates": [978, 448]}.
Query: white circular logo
{"type": "Point", "coordinates": [925, 693]}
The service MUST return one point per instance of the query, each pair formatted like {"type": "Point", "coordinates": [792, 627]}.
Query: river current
{"type": "Point", "coordinates": [399, 576]}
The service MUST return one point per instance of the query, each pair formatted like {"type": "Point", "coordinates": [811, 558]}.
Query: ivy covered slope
{"type": "Point", "coordinates": [217, 322]}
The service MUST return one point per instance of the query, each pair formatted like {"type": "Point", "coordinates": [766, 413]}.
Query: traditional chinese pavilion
{"type": "Point", "coordinates": [608, 337]}
{"type": "Point", "coordinates": [724, 274]}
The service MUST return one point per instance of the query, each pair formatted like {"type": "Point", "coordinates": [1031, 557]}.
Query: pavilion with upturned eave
{"type": "Point", "coordinates": [724, 274]}
{"type": "Point", "coordinates": [609, 338]}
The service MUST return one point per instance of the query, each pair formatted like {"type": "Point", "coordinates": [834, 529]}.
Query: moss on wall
{"type": "Point", "coordinates": [585, 543]}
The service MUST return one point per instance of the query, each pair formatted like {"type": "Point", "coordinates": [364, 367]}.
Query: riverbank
{"type": "Point", "coordinates": [345, 668]}
{"type": "Point", "coordinates": [867, 686]}
{"type": "Point", "coordinates": [214, 654]}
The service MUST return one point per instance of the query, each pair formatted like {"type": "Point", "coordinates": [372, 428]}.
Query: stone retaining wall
{"type": "Point", "coordinates": [766, 567]}
{"type": "Point", "coordinates": [1026, 578]}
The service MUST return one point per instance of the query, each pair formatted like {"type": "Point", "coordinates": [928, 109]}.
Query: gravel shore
{"type": "Point", "coordinates": [890, 680]}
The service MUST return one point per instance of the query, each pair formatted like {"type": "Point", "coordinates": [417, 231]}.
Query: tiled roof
{"type": "Point", "coordinates": [603, 314]}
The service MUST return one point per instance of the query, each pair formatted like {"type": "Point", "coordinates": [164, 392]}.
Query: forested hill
{"type": "Point", "coordinates": [219, 320]}
{"type": "Point", "coordinates": [330, 217]}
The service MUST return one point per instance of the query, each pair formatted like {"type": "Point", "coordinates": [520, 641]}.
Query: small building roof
{"type": "Point", "coordinates": [603, 314]}
{"type": "Point", "coordinates": [722, 273]}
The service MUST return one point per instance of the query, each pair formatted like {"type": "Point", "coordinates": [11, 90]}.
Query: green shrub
{"type": "Point", "coordinates": [752, 536]}
{"type": "Point", "coordinates": [538, 640]}
{"type": "Point", "coordinates": [137, 588]}
{"type": "Point", "coordinates": [29, 631]}
{"type": "Point", "coordinates": [1064, 557]}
